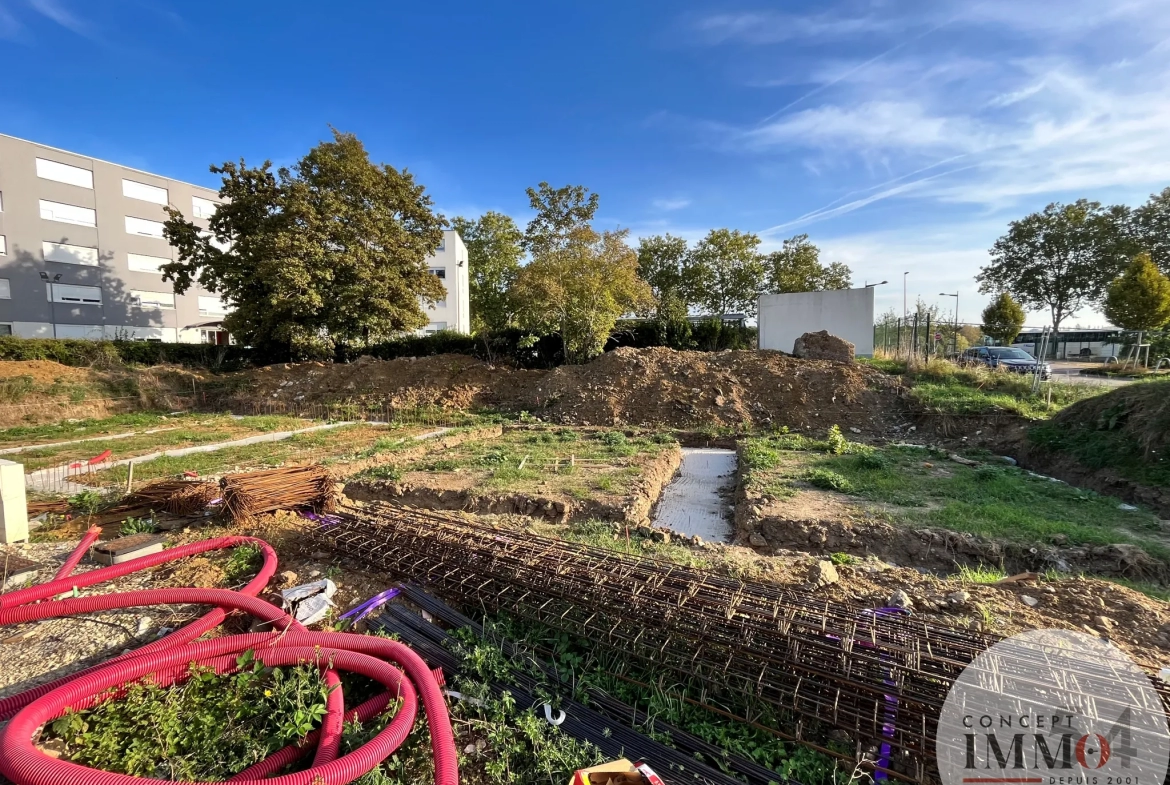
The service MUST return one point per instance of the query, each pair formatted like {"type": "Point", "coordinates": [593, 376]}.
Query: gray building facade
{"type": "Point", "coordinates": [80, 245]}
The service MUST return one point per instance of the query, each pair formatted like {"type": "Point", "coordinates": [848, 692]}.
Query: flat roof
{"type": "Point", "coordinates": [111, 163]}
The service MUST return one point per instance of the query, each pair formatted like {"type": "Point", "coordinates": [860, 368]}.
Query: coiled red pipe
{"type": "Point", "coordinates": [402, 672]}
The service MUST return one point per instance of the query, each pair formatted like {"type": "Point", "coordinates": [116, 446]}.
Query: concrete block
{"type": "Point", "coordinates": [13, 505]}
{"type": "Point", "coordinates": [127, 548]}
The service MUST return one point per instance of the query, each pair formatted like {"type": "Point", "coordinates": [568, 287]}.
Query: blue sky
{"type": "Point", "coordinates": [901, 136]}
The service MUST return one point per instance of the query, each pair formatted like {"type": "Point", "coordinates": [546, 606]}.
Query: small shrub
{"type": "Point", "coordinates": [872, 461]}
{"type": "Point", "coordinates": [137, 526]}
{"type": "Point", "coordinates": [612, 438]}
{"type": "Point", "coordinates": [837, 443]}
{"type": "Point", "coordinates": [841, 559]}
{"type": "Point", "coordinates": [493, 457]}
{"type": "Point", "coordinates": [385, 472]}
{"type": "Point", "coordinates": [87, 502]}
{"type": "Point", "coordinates": [243, 561]}
{"type": "Point", "coordinates": [663, 437]}
{"type": "Point", "coordinates": [828, 480]}
{"type": "Point", "coordinates": [759, 454]}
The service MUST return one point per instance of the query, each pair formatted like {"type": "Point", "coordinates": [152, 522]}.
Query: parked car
{"type": "Point", "coordinates": [1014, 360]}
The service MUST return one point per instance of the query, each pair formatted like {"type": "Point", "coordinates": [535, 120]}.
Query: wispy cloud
{"type": "Point", "coordinates": [771, 27]}
{"type": "Point", "coordinates": [670, 204]}
{"type": "Point", "coordinates": [10, 26]}
{"type": "Point", "coordinates": [55, 11]}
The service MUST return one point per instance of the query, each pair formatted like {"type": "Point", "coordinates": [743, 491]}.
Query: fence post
{"type": "Point", "coordinates": [929, 339]}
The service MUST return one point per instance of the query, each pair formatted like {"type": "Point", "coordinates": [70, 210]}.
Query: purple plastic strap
{"type": "Point", "coordinates": [324, 520]}
{"type": "Point", "coordinates": [370, 605]}
{"type": "Point", "coordinates": [891, 712]}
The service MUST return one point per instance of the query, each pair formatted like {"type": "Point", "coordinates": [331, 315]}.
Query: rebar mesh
{"type": "Point", "coordinates": [823, 665]}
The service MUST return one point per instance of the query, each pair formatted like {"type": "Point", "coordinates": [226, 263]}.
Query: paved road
{"type": "Point", "coordinates": [1068, 372]}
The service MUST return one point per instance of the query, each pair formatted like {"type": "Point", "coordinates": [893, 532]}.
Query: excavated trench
{"type": "Point", "coordinates": [698, 502]}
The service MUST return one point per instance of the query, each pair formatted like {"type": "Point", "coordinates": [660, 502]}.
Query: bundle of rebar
{"type": "Point", "coordinates": [293, 487]}
{"type": "Point", "coordinates": [819, 665]}
{"type": "Point", "coordinates": [177, 497]}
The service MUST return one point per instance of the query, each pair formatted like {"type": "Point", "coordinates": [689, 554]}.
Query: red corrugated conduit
{"type": "Point", "coordinates": [393, 665]}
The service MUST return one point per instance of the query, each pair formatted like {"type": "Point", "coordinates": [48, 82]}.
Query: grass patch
{"type": "Point", "coordinates": [81, 429]}
{"type": "Point", "coordinates": [981, 574]}
{"type": "Point", "coordinates": [551, 460]}
{"type": "Point", "coordinates": [922, 488]}
{"type": "Point", "coordinates": [941, 387]}
{"type": "Point", "coordinates": [341, 443]}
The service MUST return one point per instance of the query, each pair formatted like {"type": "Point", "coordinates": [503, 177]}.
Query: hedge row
{"type": "Point", "coordinates": [75, 351]}
{"type": "Point", "coordinates": [513, 347]}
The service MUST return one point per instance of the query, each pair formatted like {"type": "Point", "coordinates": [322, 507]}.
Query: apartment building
{"type": "Point", "coordinates": [81, 243]}
{"type": "Point", "coordinates": [80, 248]}
{"type": "Point", "coordinates": [449, 263]}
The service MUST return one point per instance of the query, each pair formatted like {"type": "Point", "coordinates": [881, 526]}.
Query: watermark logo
{"type": "Point", "coordinates": [1053, 707]}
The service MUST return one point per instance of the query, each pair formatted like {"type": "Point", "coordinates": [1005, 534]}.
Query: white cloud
{"type": "Point", "coordinates": [770, 27]}
{"type": "Point", "coordinates": [670, 204]}
{"type": "Point", "coordinates": [52, 9]}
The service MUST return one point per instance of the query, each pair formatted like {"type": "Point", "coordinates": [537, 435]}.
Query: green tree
{"type": "Point", "coordinates": [1151, 225]}
{"type": "Point", "coordinates": [336, 245]}
{"type": "Point", "coordinates": [661, 259]}
{"type": "Point", "coordinates": [579, 288]}
{"type": "Point", "coordinates": [493, 260]}
{"type": "Point", "coordinates": [724, 273]}
{"type": "Point", "coordinates": [1140, 297]}
{"type": "Point", "coordinates": [1061, 258]}
{"type": "Point", "coordinates": [797, 267]}
{"type": "Point", "coordinates": [560, 213]}
{"type": "Point", "coordinates": [1003, 318]}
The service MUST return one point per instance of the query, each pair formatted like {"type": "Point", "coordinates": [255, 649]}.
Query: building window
{"type": "Point", "coordinates": [68, 213]}
{"type": "Point", "coordinates": [5, 328]}
{"type": "Point", "coordinates": [69, 254]}
{"type": "Point", "coordinates": [215, 337]}
{"type": "Point", "coordinates": [64, 173]}
{"type": "Point", "coordinates": [1, 202]}
{"type": "Point", "coordinates": [68, 293]}
{"type": "Point", "coordinates": [442, 245]}
{"type": "Point", "coordinates": [3, 246]}
{"type": "Point", "coordinates": [435, 327]}
{"type": "Point", "coordinates": [144, 227]}
{"type": "Point", "coordinates": [164, 300]}
{"type": "Point", "coordinates": [439, 272]}
{"type": "Point", "coordinates": [144, 192]}
{"type": "Point", "coordinates": [215, 243]}
{"type": "Point", "coordinates": [5, 289]}
{"type": "Point", "coordinates": [202, 208]}
{"type": "Point", "coordinates": [212, 306]}
{"type": "Point", "coordinates": [141, 263]}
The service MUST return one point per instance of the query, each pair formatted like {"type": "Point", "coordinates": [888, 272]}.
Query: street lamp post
{"type": "Point", "coordinates": [905, 312]}
{"type": "Point", "coordinates": [52, 298]}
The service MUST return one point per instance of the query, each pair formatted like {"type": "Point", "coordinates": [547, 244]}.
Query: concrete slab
{"type": "Point", "coordinates": [699, 499]}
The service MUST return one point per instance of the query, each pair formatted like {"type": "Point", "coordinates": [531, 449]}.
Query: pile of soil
{"type": "Point", "coordinates": [1127, 427]}
{"type": "Point", "coordinates": [652, 387]}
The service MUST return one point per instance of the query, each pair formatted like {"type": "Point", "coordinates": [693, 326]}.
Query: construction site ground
{"type": "Point", "coordinates": [891, 511]}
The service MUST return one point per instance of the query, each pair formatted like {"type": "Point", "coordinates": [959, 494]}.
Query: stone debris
{"type": "Point", "coordinates": [1029, 600]}
{"type": "Point", "coordinates": [823, 573]}
{"type": "Point", "coordinates": [823, 346]}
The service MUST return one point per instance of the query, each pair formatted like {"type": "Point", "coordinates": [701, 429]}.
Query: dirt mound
{"type": "Point", "coordinates": [624, 387]}
{"type": "Point", "coordinates": [42, 371]}
{"type": "Point", "coordinates": [1115, 443]}
{"type": "Point", "coordinates": [823, 346]}
{"type": "Point", "coordinates": [1139, 413]}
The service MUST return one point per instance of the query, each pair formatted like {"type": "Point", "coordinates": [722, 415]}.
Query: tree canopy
{"type": "Point", "coordinates": [797, 267]}
{"type": "Point", "coordinates": [724, 273]}
{"type": "Point", "coordinates": [335, 246]}
{"type": "Point", "coordinates": [1003, 318]}
{"type": "Point", "coordinates": [493, 259]}
{"type": "Point", "coordinates": [560, 212]}
{"type": "Point", "coordinates": [579, 288]}
{"type": "Point", "coordinates": [1151, 227]}
{"type": "Point", "coordinates": [1139, 299]}
{"type": "Point", "coordinates": [1061, 258]}
{"type": "Point", "coordinates": [661, 259]}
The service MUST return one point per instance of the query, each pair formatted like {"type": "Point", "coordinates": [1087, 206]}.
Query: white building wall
{"type": "Point", "coordinates": [454, 313]}
{"type": "Point", "coordinates": [846, 313]}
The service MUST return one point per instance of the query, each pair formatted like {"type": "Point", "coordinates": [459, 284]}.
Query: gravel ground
{"type": "Point", "coordinates": [31, 654]}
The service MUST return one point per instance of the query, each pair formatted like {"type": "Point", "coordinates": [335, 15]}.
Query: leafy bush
{"type": "Point", "coordinates": [872, 461]}
{"type": "Point", "coordinates": [137, 526]}
{"type": "Point", "coordinates": [612, 438]}
{"type": "Point", "coordinates": [105, 354]}
{"type": "Point", "coordinates": [207, 728]}
{"type": "Point", "coordinates": [759, 454]}
{"type": "Point", "coordinates": [828, 480]}
{"type": "Point", "coordinates": [838, 444]}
